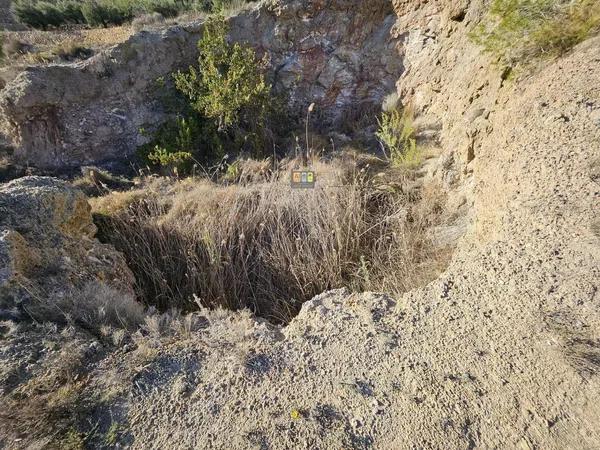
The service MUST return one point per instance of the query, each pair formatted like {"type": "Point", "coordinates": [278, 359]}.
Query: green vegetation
{"type": "Point", "coordinates": [104, 14]}
{"type": "Point", "coordinates": [174, 162]}
{"type": "Point", "coordinates": [73, 440]}
{"type": "Point", "coordinates": [518, 31]}
{"type": "Point", "coordinates": [178, 143]}
{"type": "Point", "coordinates": [229, 88]}
{"type": "Point", "coordinates": [112, 435]}
{"type": "Point", "coordinates": [396, 133]}
{"type": "Point", "coordinates": [46, 14]}
{"type": "Point", "coordinates": [223, 105]}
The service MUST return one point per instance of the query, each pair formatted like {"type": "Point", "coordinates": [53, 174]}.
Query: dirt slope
{"type": "Point", "coordinates": [502, 352]}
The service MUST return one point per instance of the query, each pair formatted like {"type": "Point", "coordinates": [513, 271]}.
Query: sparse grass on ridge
{"type": "Point", "coordinates": [41, 47]}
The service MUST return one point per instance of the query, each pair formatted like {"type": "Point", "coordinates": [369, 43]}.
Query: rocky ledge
{"type": "Point", "coordinates": [47, 245]}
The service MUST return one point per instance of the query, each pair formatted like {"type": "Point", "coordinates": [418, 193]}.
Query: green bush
{"type": "Point", "coordinates": [71, 11]}
{"type": "Point", "coordinates": [397, 133]}
{"type": "Point", "coordinates": [229, 88]}
{"type": "Point", "coordinates": [104, 14]}
{"type": "Point", "coordinates": [173, 162]}
{"type": "Point", "coordinates": [176, 144]}
{"type": "Point", "coordinates": [167, 8]}
{"type": "Point", "coordinates": [46, 15]}
{"type": "Point", "coordinates": [38, 14]}
{"type": "Point", "coordinates": [517, 31]}
{"type": "Point", "coordinates": [227, 6]}
{"type": "Point", "coordinates": [55, 13]}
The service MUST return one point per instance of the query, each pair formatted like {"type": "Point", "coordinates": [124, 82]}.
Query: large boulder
{"type": "Point", "coordinates": [47, 244]}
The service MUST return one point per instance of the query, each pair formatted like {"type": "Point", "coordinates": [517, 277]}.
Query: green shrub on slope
{"type": "Point", "coordinates": [229, 88]}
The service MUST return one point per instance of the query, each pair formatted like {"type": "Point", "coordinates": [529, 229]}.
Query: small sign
{"type": "Point", "coordinates": [303, 179]}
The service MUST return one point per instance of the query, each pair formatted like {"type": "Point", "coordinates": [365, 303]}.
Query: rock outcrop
{"type": "Point", "coordinates": [503, 351]}
{"type": "Point", "coordinates": [61, 116]}
{"type": "Point", "coordinates": [47, 243]}
{"type": "Point", "coordinates": [336, 54]}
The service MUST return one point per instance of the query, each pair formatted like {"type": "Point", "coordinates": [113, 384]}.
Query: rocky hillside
{"type": "Point", "coordinates": [88, 112]}
{"type": "Point", "coordinates": [502, 351]}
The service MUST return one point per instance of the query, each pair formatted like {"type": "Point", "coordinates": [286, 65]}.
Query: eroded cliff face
{"type": "Point", "coordinates": [338, 54]}
{"type": "Point", "coordinates": [456, 91]}
{"type": "Point", "coordinates": [61, 116]}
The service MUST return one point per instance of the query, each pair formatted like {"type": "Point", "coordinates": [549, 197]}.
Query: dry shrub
{"type": "Point", "coordinates": [91, 307]}
{"type": "Point", "coordinates": [94, 182]}
{"type": "Point", "coordinates": [50, 401]}
{"type": "Point", "coordinates": [268, 247]}
{"type": "Point", "coordinates": [71, 50]}
{"type": "Point", "coordinates": [246, 171]}
{"type": "Point", "coordinates": [579, 345]}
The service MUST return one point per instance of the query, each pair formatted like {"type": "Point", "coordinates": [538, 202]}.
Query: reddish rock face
{"type": "Point", "coordinates": [338, 54]}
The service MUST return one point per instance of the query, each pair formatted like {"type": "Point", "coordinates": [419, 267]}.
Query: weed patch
{"type": "Point", "coordinates": [396, 133]}
{"type": "Point", "coordinates": [44, 14]}
{"type": "Point", "coordinates": [517, 32]}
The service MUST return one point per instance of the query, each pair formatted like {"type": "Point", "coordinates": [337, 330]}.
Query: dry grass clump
{"type": "Point", "coordinates": [92, 307]}
{"type": "Point", "coordinates": [94, 182]}
{"type": "Point", "coordinates": [12, 46]}
{"type": "Point", "coordinates": [71, 50]}
{"type": "Point", "coordinates": [246, 171]}
{"type": "Point", "coordinates": [267, 247]}
{"type": "Point", "coordinates": [579, 345]}
{"type": "Point", "coordinates": [46, 404]}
